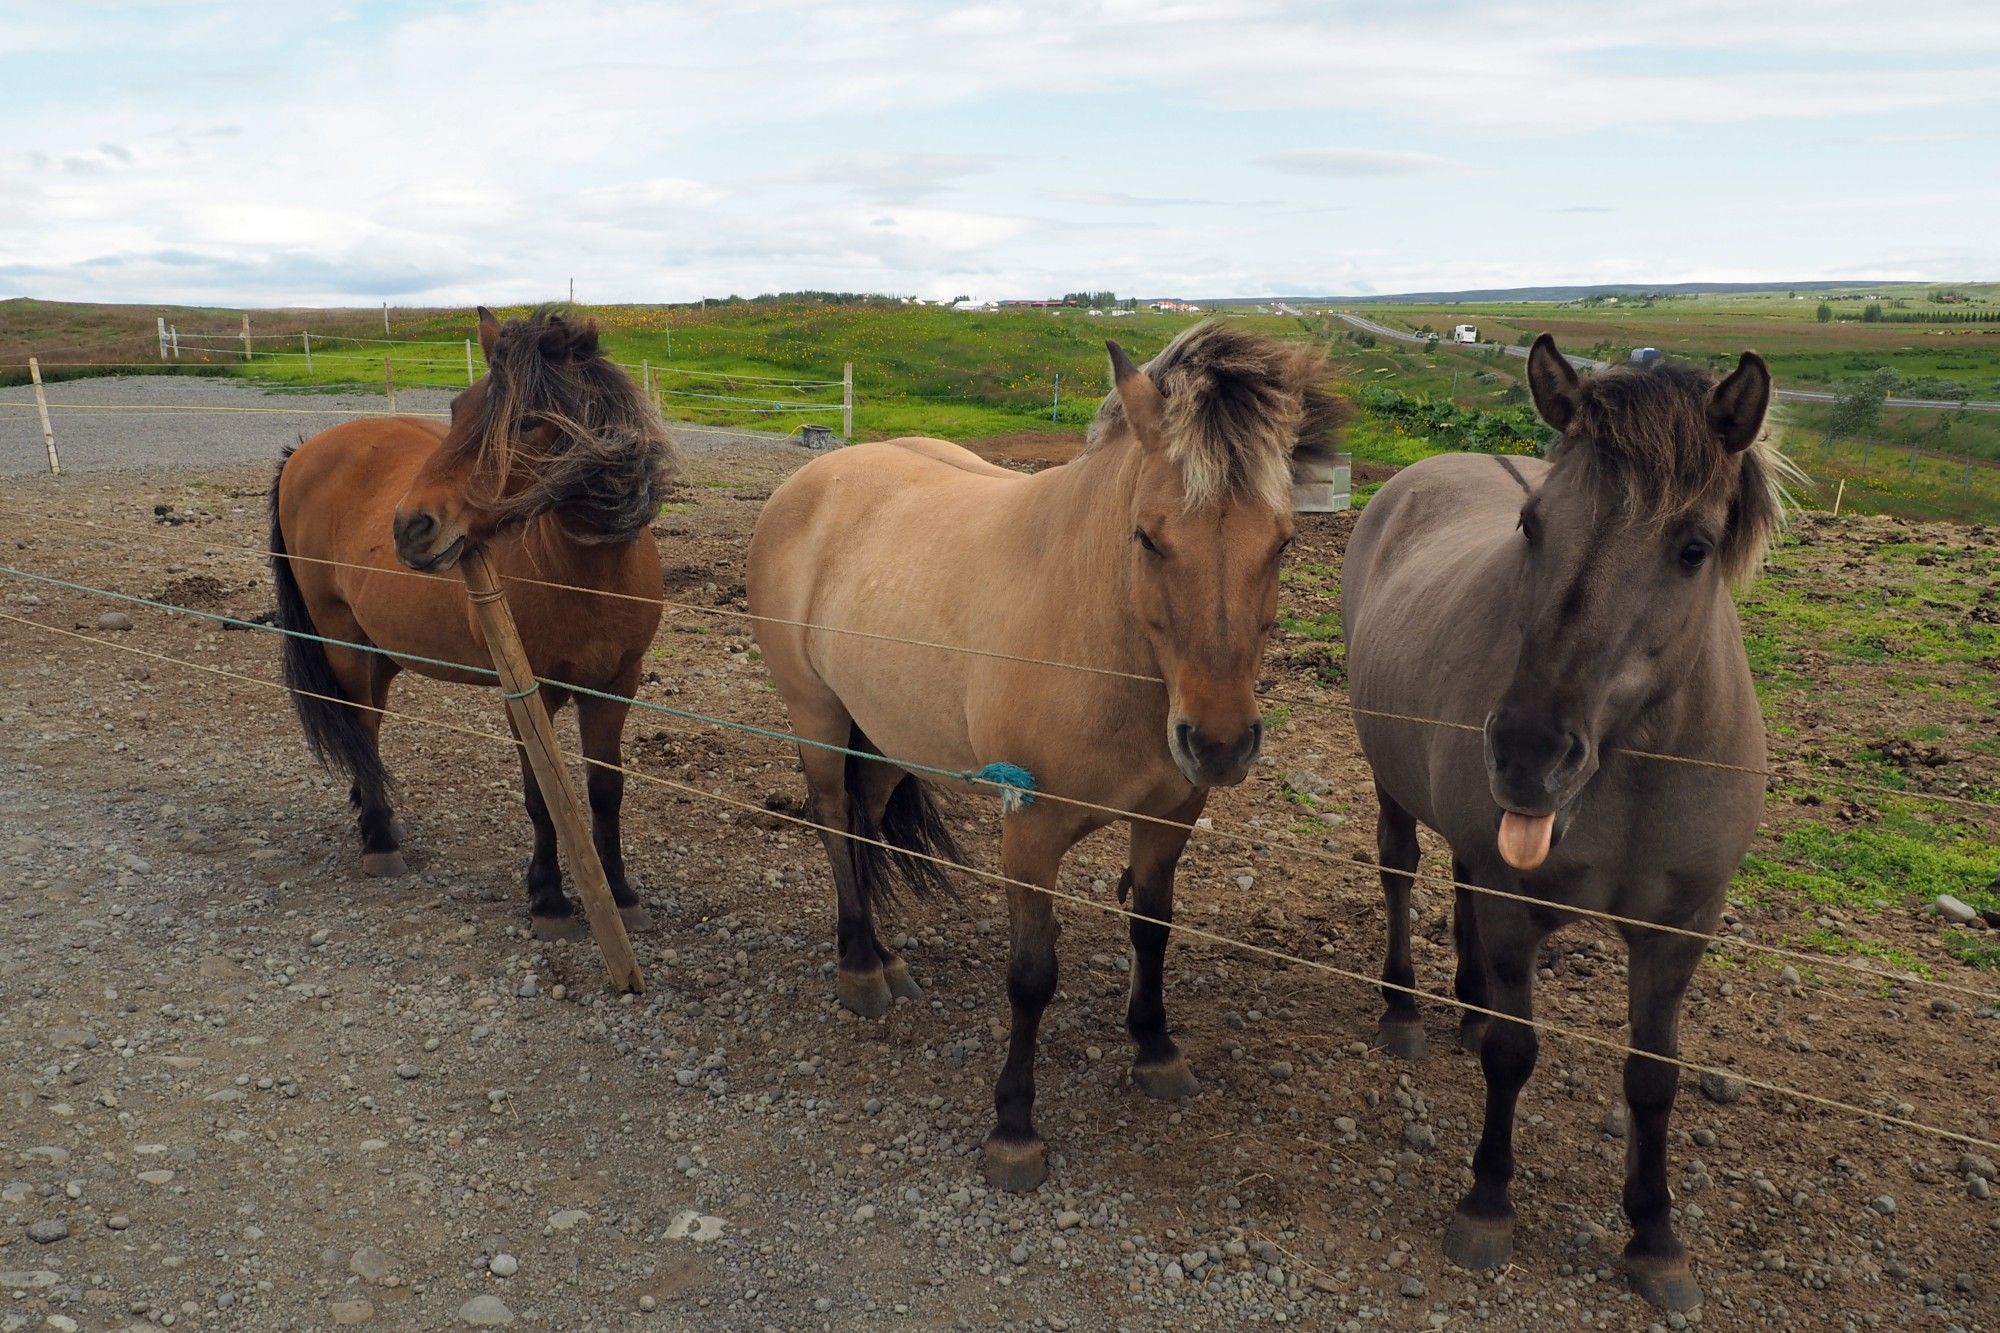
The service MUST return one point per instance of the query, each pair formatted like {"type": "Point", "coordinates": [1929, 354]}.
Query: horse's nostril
{"type": "Point", "coordinates": [1184, 737]}
{"type": "Point", "coordinates": [415, 527]}
{"type": "Point", "coordinates": [1254, 738]}
{"type": "Point", "coordinates": [1577, 750]}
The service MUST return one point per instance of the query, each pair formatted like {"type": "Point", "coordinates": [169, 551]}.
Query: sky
{"type": "Point", "coordinates": [348, 153]}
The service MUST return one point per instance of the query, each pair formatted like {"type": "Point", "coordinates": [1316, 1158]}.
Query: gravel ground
{"type": "Point", "coordinates": [243, 1087]}
{"type": "Point", "coordinates": [252, 426]}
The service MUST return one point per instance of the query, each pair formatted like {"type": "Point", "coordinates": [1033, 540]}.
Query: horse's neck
{"type": "Point", "coordinates": [546, 551]}
{"type": "Point", "coordinates": [1076, 524]}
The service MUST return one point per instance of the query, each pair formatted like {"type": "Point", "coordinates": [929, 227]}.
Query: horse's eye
{"type": "Point", "coordinates": [1693, 554]}
{"type": "Point", "coordinates": [1145, 541]}
{"type": "Point", "coordinates": [1530, 526]}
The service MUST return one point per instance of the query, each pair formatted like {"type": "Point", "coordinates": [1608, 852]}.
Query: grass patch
{"type": "Point", "coordinates": [1321, 628]}
{"type": "Point", "coordinates": [1832, 942]}
{"type": "Point", "coordinates": [1899, 858]}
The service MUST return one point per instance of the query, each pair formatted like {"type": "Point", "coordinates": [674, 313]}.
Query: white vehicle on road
{"type": "Point", "coordinates": [1465, 333]}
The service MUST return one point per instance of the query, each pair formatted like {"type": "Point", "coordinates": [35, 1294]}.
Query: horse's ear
{"type": "Point", "coordinates": [1554, 383]}
{"type": "Point", "coordinates": [1736, 406]}
{"type": "Point", "coordinates": [489, 333]}
{"type": "Point", "coordinates": [1144, 408]}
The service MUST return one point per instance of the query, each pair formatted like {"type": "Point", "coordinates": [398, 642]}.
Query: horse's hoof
{"type": "Point", "coordinates": [1166, 1080]}
{"type": "Point", "coordinates": [1479, 1243]}
{"type": "Point", "coordinates": [1403, 1038]}
{"type": "Point", "coordinates": [864, 993]}
{"type": "Point", "coordinates": [636, 917]}
{"type": "Point", "coordinates": [571, 927]}
{"type": "Point", "coordinates": [384, 865]}
{"type": "Point", "coordinates": [902, 985]}
{"type": "Point", "coordinates": [1667, 1283]}
{"type": "Point", "coordinates": [1472, 1034]}
{"type": "Point", "coordinates": [1016, 1165]}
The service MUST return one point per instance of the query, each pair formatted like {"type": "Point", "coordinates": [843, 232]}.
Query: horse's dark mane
{"type": "Point", "coordinates": [609, 461]}
{"type": "Point", "coordinates": [1642, 438]}
{"type": "Point", "coordinates": [1240, 408]}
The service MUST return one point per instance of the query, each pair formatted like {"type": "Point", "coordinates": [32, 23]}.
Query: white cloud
{"type": "Point", "coordinates": [662, 149]}
{"type": "Point", "coordinates": [1342, 163]}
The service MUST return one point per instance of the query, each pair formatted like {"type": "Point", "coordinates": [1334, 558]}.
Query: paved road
{"type": "Point", "coordinates": [1584, 362]}
{"type": "Point", "coordinates": [173, 421]}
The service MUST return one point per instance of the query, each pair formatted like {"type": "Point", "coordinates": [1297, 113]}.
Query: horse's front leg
{"type": "Point", "coordinates": [1655, 1261]}
{"type": "Point", "coordinates": [600, 724]}
{"type": "Point", "coordinates": [1031, 853]}
{"type": "Point", "coordinates": [1158, 1067]}
{"type": "Point", "coordinates": [551, 915]}
{"type": "Point", "coordinates": [1481, 1234]}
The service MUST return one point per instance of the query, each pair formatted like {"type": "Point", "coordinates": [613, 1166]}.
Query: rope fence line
{"type": "Point", "coordinates": [1851, 1109]}
{"type": "Point", "coordinates": [1845, 784]}
{"type": "Point", "coordinates": [235, 358]}
{"type": "Point", "coordinates": [1009, 790]}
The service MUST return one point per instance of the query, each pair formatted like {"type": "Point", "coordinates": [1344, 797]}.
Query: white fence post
{"type": "Point", "coordinates": [42, 406]}
{"type": "Point", "coordinates": [385, 319]}
{"type": "Point", "coordinates": [174, 335]}
{"type": "Point", "coordinates": [468, 361]}
{"type": "Point", "coordinates": [306, 337]}
{"type": "Point", "coordinates": [645, 375]}
{"type": "Point", "coordinates": [847, 401]}
{"type": "Point", "coordinates": [162, 319]}
{"type": "Point", "coordinates": [389, 382]}
{"type": "Point", "coordinates": [246, 337]}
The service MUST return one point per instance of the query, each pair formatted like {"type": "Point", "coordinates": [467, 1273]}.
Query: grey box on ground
{"type": "Point", "coordinates": [1323, 486]}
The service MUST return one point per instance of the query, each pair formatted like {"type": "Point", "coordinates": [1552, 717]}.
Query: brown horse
{"type": "Point", "coordinates": [1573, 610]}
{"type": "Point", "coordinates": [556, 464]}
{"type": "Point", "coordinates": [1155, 554]}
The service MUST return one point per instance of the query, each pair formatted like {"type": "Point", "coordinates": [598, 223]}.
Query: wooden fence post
{"type": "Point", "coordinates": [847, 401]}
{"type": "Point", "coordinates": [537, 737]}
{"type": "Point", "coordinates": [385, 319]}
{"type": "Point", "coordinates": [307, 338]}
{"type": "Point", "coordinates": [246, 337]}
{"type": "Point", "coordinates": [645, 375]}
{"type": "Point", "coordinates": [389, 382]}
{"type": "Point", "coordinates": [174, 335]}
{"type": "Point", "coordinates": [468, 361]}
{"type": "Point", "coordinates": [42, 406]}
{"type": "Point", "coordinates": [162, 321]}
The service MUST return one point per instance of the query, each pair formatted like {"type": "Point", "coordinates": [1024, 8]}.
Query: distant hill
{"type": "Point", "coordinates": [1574, 293]}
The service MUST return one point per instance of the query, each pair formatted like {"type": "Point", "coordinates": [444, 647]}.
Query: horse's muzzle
{"type": "Point", "coordinates": [420, 543]}
{"type": "Point", "coordinates": [1533, 765]}
{"type": "Point", "coordinates": [1207, 763]}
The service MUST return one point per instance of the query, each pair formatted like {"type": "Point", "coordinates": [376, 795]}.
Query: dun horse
{"type": "Point", "coordinates": [1155, 553]}
{"type": "Point", "coordinates": [1573, 610]}
{"type": "Point", "coordinates": [556, 464]}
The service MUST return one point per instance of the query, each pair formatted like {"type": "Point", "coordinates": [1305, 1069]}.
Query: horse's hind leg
{"type": "Point", "coordinates": [366, 677]}
{"type": "Point", "coordinates": [1401, 1030]}
{"type": "Point", "coordinates": [1469, 982]}
{"type": "Point", "coordinates": [1655, 1261]}
{"type": "Point", "coordinates": [601, 725]}
{"type": "Point", "coordinates": [871, 785]}
{"type": "Point", "coordinates": [551, 915]}
{"type": "Point", "coordinates": [1158, 1067]}
{"type": "Point", "coordinates": [859, 978]}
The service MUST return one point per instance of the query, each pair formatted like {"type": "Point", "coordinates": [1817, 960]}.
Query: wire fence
{"type": "Point", "coordinates": [1854, 1110]}
{"type": "Point", "coordinates": [1241, 834]}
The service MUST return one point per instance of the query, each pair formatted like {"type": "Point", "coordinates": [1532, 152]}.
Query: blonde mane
{"type": "Point", "coordinates": [1241, 408]}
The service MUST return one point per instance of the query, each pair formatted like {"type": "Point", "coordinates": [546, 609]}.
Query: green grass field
{"type": "Point", "coordinates": [933, 371]}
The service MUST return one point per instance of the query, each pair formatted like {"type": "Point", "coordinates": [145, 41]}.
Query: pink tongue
{"type": "Point", "coordinates": [1524, 839]}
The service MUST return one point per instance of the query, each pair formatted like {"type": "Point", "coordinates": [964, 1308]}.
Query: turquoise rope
{"type": "Point", "coordinates": [1017, 784]}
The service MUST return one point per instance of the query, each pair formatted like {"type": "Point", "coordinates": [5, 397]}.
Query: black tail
{"type": "Point", "coordinates": [334, 731]}
{"type": "Point", "coordinates": [912, 823]}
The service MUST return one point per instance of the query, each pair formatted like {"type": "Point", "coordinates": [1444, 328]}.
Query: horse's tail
{"type": "Point", "coordinates": [334, 731]}
{"type": "Point", "coordinates": [914, 827]}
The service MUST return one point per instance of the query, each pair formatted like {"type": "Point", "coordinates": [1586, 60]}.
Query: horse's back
{"type": "Point", "coordinates": [1426, 520]}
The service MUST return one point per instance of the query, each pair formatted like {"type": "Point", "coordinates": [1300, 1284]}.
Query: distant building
{"type": "Point", "coordinates": [1175, 307]}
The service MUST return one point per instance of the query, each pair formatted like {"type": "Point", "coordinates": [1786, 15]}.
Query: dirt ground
{"type": "Point", "coordinates": [243, 1087]}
